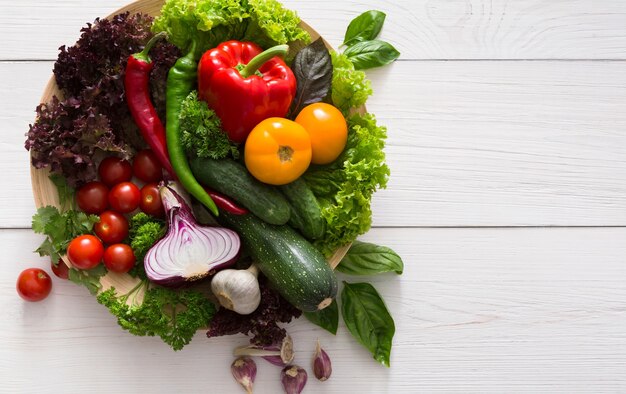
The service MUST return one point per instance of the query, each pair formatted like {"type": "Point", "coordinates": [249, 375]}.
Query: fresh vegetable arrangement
{"type": "Point", "coordinates": [208, 163]}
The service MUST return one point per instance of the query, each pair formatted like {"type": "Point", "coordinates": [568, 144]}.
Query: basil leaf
{"type": "Point", "coordinates": [370, 54]}
{"type": "Point", "coordinates": [364, 27]}
{"type": "Point", "coordinates": [313, 69]}
{"type": "Point", "coordinates": [368, 259]}
{"type": "Point", "coordinates": [367, 319]}
{"type": "Point", "coordinates": [327, 318]}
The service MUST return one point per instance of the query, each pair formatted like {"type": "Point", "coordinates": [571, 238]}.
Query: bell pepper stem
{"type": "Point", "coordinates": [144, 55]}
{"type": "Point", "coordinates": [260, 59]}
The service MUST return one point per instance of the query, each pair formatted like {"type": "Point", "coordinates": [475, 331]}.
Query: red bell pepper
{"type": "Point", "coordinates": [245, 85]}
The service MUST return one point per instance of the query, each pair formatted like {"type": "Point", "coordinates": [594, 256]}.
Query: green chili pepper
{"type": "Point", "coordinates": [180, 82]}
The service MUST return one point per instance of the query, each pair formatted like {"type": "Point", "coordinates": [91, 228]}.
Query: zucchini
{"type": "Point", "coordinates": [232, 179]}
{"type": "Point", "coordinates": [292, 265]}
{"type": "Point", "coordinates": [306, 214]}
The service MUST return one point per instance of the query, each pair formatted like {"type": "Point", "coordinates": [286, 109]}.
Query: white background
{"type": "Point", "coordinates": [507, 146]}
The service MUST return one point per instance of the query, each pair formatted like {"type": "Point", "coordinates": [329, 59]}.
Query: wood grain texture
{"type": "Point", "coordinates": [476, 310]}
{"type": "Point", "coordinates": [421, 29]}
{"type": "Point", "coordinates": [470, 143]}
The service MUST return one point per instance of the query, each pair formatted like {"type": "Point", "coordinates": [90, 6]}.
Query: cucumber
{"type": "Point", "coordinates": [306, 214]}
{"type": "Point", "coordinates": [232, 179]}
{"type": "Point", "coordinates": [292, 265]}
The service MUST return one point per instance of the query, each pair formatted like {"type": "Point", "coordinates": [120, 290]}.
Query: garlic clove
{"type": "Point", "coordinates": [277, 355]}
{"type": "Point", "coordinates": [244, 372]}
{"type": "Point", "coordinates": [293, 379]}
{"type": "Point", "coordinates": [322, 368]}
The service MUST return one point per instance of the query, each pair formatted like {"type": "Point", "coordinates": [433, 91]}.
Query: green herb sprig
{"type": "Point", "coordinates": [362, 47]}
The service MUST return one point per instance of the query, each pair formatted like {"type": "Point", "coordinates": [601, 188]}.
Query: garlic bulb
{"type": "Point", "coordinates": [237, 290]}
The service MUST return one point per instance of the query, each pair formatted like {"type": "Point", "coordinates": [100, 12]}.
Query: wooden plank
{"type": "Point", "coordinates": [476, 310]}
{"type": "Point", "coordinates": [503, 143]}
{"type": "Point", "coordinates": [470, 143]}
{"type": "Point", "coordinates": [422, 29]}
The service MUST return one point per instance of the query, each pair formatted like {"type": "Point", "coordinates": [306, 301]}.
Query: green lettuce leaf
{"type": "Point", "coordinates": [272, 24]}
{"type": "Point", "coordinates": [350, 87]}
{"type": "Point", "coordinates": [210, 22]}
{"type": "Point", "coordinates": [345, 187]}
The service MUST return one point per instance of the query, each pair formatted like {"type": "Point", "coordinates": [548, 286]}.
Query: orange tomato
{"type": "Point", "coordinates": [328, 130]}
{"type": "Point", "coordinates": [277, 151]}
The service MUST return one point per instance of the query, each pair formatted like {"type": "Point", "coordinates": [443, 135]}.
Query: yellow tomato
{"type": "Point", "coordinates": [328, 130]}
{"type": "Point", "coordinates": [277, 151]}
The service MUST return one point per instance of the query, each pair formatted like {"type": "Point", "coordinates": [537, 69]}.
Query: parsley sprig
{"type": "Point", "coordinates": [60, 228]}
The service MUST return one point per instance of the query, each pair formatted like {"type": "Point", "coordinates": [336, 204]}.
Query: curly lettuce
{"type": "Point", "coordinates": [272, 24]}
{"type": "Point", "coordinates": [345, 187]}
{"type": "Point", "coordinates": [350, 87]}
{"type": "Point", "coordinates": [210, 22]}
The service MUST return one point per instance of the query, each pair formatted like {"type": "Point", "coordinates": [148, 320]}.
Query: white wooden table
{"type": "Point", "coordinates": [507, 201]}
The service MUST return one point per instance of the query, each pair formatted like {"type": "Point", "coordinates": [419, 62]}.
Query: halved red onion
{"type": "Point", "coordinates": [189, 251]}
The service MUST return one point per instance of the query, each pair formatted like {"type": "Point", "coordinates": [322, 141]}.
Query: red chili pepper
{"type": "Point", "coordinates": [244, 85]}
{"type": "Point", "coordinates": [136, 85]}
{"type": "Point", "coordinates": [225, 203]}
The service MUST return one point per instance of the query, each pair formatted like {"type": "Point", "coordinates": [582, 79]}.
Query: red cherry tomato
{"type": "Point", "coordinates": [85, 252]}
{"type": "Point", "coordinates": [146, 166]}
{"type": "Point", "coordinates": [113, 170]}
{"type": "Point", "coordinates": [124, 197]}
{"type": "Point", "coordinates": [92, 197]}
{"type": "Point", "coordinates": [33, 284]}
{"type": "Point", "coordinates": [112, 227]}
{"type": "Point", "coordinates": [119, 258]}
{"type": "Point", "coordinates": [61, 269]}
{"type": "Point", "coordinates": [151, 200]}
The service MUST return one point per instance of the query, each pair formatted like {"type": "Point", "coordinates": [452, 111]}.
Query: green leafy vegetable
{"type": "Point", "coordinates": [364, 27]}
{"type": "Point", "coordinates": [88, 278]}
{"type": "Point", "coordinates": [201, 131]}
{"type": "Point", "coordinates": [370, 54]}
{"type": "Point", "coordinates": [93, 118]}
{"type": "Point", "coordinates": [368, 259]}
{"type": "Point", "coordinates": [144, 232]}
{"type": "Point", "coordinates": [210, 22]}
{"type": "Point", "coordinates": [350, 87]}
{"type": "Point", "coordinates": [60, 229]}
{"type": "Point", "coordinates": [65, 191]}
{"type": "Point", "coordinates": [272, 24]}
{"type": "Point", "coordinates": [361, 47]}
{"type": "Point", "coordinates": [313, 70]}
{"type": "Point", "coordinates": [368, 319]}
{"type": "Point", "coordinates": [345, 187]}
{"type": "Point", "coordinates": [327, 318]}
{"type": "Point", "coordinates": [173, 315]}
